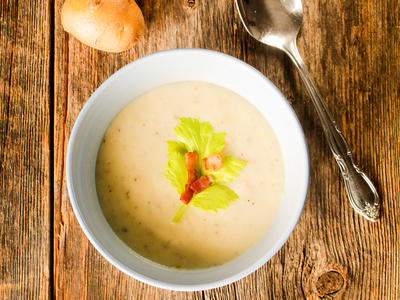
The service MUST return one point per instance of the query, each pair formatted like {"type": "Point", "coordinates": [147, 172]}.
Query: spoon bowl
{"type": "Point", "coordinates": [272, 22]}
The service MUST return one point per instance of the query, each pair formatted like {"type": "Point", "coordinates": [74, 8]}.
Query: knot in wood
{"type": "Point", "coordinates": [329, 283]}
{"type": "Point", "coordinates": [191, 4]}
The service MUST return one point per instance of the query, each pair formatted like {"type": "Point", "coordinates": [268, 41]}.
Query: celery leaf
{"type": "Point", "coordinates": [175, 171]}
{"type": "Point", "coordinates": [199, 137]}
{"type": "Point", "coordinates": [229, 170]}
{"type": "Point", "coordinates": [213, 198]}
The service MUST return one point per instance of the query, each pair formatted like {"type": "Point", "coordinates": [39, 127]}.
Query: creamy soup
{"type": "Point", "coordinates": [139, 202]}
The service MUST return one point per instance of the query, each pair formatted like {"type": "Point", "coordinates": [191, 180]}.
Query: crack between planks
{"type": "Point", "coordinates": [60, 217]}
{"type": "Point", "coordinates": [51, 142]}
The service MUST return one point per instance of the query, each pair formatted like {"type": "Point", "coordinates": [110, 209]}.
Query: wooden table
{"type": "Point", "coordinates": [352, 49]}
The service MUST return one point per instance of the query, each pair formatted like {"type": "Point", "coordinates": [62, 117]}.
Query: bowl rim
{"type": "Point", "coordinates": [114, 260]}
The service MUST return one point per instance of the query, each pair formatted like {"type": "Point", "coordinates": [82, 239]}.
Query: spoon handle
{"type": "Point", "coordinates": [360, 190]}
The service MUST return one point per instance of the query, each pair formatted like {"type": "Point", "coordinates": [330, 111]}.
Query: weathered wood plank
{"type": "Point", "coordinates": [352, 51]}
{"type": "Point", "coordinates": [24, 149]}
{"type": "Point", "coordinates": [80, 271]}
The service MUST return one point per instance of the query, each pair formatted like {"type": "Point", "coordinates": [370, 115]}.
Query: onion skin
{"type": "Point", "coordinates": [107, 25]}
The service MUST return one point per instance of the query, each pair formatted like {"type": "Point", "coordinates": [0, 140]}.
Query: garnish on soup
{"type": "Point", "coordinates": [201, 184]}
{"type": "Point", "coordinates": [190, 164]}
{"type": "Point", "coordinates": [196, 168]}
{"type": "Point", "coordinates": [213, 162]}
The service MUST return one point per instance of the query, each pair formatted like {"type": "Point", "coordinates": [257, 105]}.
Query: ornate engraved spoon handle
{"type": "Point", "coordinates": [360, 190]}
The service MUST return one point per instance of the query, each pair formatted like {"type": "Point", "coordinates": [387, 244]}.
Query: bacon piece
{"type": "Point", "coordinates": [190, 164]}
{"type": "Point", "coordinates": [213, 162]}
{"type": "Point", "coordinates": [187, 195]}
{"type": "Point", "coordinates": [201, 184]}
{"type": "Point", "coordinates": [191, 176]}
{"type": "Point", "coordinates": [190, 160]}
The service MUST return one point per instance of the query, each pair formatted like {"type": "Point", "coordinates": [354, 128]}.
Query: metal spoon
{"type": "Point", "coordinates": [276, 23]}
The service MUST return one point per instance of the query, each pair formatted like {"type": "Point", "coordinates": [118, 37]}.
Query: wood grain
{"type": "Point", "coordinates": [352, 50]}
{"type": "Point", "coordinates": [25, 228]}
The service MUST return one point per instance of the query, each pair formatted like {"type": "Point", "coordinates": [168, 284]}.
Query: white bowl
{"type": "Point", "coordinates": [141, 76]}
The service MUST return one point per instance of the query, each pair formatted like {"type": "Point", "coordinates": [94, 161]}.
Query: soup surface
{"type": "Point", "coordinates": [139, 202]}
